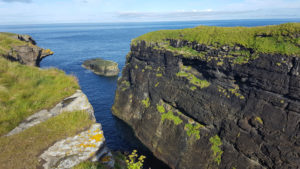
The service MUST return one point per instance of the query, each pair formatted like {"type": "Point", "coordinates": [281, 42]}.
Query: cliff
{"type": "Point", "coordinates": [212, 97]}
{"type": "Point", "coordinates": [22, 48]}
{"type": "Point", "coordinates": [46, 121]}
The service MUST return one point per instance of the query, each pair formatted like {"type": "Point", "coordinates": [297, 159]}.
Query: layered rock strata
{"type": "Point", "coordinates": [212, 106]}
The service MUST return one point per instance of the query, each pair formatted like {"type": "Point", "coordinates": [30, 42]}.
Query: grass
{"type": "Point", "coordinates": [280, 39]}
{"type": "Point", "coordinates": [7, 41]}
{"type": "Point", "coordinates": [170, 116]}
{"type": "Point", "coordinates": [22, 150]}
{"type": "Point", "coordinates": [215, 147]}
{"type": "Point", "coordinates": [25, 90]}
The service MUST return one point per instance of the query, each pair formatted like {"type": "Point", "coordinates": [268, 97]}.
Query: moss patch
{"type": "Point", "coordinates": [146, 102]}
{"type": "Point", "coordinates": [160, 108]}
{"type": "Point", "coordinates": [193, 130]}
{"type": "Point", "coordinates": [22, 150]}
{"type": "Point", "coordinates": [25, 90]}
{"type": "Point", "coordinates": [193, 79]}
{"type": "Point", "coordinates": [125, 85]}
{"type": "Point", "coordinates": [170, 116]}
{"type": "Point", "coordinates": [215, 148]}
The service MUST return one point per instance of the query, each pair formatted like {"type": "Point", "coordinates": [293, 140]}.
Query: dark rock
{"type": "Point", "coordinates": [27, 53]}
{"type": "Point", "coordinates": [102, 67]}
{"type": "Point", "coordinates": [254, 107]}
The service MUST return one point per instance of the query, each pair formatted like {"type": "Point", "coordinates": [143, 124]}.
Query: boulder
{"type": "Point", "coordinates": [102, 67]}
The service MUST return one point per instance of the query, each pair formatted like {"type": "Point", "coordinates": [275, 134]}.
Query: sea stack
{"type": "Point", "coordinates": [102, 67]}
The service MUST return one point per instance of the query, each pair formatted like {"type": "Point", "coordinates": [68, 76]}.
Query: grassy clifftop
{"type": "Point", "coordinates": [8, 40]}
{"type": "Point", "coordinates": [25, 90]}
{"type": "Point", "coordinates": [282, 39]}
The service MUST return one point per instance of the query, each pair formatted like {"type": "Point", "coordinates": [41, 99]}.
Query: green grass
{"type": "Point", "coordinates": [25, 90]}
{"type": "Point", "coordinates": [215, 147]}
{"type": "Point", "coordinates": [8, 40]}
{"type": "Point", "coordinates": [22, 150]}
{"type": "Point", "coordinates": [263, 39]}
{"type": "Point", "coordinates": [170, 116]}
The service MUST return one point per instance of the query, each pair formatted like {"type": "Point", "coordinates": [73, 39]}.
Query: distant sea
{"type": "Point", "coordinates": [75, 43]}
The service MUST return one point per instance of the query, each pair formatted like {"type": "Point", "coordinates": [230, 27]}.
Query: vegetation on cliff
{"type": "Point", "coordinates": [282, 39]}
{"type": "Point", "coordinates": [21, 150]}
{"type": "Point", "coordinates": [7, 41]}
{"type": "Point", "coordinates": [25, 90]}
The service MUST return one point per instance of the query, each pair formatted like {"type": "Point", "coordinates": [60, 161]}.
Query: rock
{"type": "Point", "coordinates": [102, 67]}
{"type": "Point", "coordinates": [67, 153]}
{"type": "Point", "coordinates": [76, 102]}
{"type": "Point", "coordinates": [203, 112]}
{"type": "Point", "coordinates": [27, 38]}
{"type": "Point", "coordinates": [25, 51]}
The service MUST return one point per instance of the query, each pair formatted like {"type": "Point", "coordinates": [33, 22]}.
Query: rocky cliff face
{"type": "Point", "coordinates": [201, 106]}
{"type": "Point", "coordinates": [25, 51]}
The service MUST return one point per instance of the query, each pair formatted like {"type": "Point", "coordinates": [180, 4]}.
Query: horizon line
{"type": "Point", "coordinates": [158, 21]}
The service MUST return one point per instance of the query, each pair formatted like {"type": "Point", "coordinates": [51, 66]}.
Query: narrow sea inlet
{"type": "Point", "coordinates": [75, 43]}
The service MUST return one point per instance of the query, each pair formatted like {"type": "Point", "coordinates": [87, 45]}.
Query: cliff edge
{"type": "Point", "coordinates": [22, 48]}
{"type": "Point", "coordinates": [213, 97]}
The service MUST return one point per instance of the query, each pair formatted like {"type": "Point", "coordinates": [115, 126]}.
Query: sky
{"type": "Point", "coordinates": [94, 11]}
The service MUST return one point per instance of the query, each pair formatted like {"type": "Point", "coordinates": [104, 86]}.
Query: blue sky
{"type": "Point", "coordinates": [86, 11]}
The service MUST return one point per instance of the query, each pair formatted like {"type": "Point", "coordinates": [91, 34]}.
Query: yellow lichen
{"type": "Point", "coordinates": [97, 137]}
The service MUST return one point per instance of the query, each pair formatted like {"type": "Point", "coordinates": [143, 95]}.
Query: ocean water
{"type": "Point", "coordinates": [75, 43]}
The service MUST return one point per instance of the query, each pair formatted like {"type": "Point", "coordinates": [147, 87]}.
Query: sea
{"type": "Point", "coordinates": [75, 43]}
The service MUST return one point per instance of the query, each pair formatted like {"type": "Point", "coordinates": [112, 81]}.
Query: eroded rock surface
{"type": "Point", "coordinates": [67, 153]}
{"type": "Point", "coordinates": [213, 111]}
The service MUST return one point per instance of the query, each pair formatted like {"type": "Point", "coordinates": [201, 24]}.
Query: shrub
{"type": "Point", "coordinates": [135, 162]}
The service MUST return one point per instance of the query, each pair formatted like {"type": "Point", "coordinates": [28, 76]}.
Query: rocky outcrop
{"type": "Point", "coordinates": [76, 102]}
{"type": "Point", "coordinates": [67, 153]}
{"type": "Point", "coordinates": [212, 106]}
{"type": "Point", "coordinates": [102, 67]}
{"type": "Point", "coordinates": [26, 52]}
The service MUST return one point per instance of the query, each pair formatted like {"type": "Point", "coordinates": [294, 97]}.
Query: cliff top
{"type": "Point", "coordinates": [283, 38]}
{"type": "Point", "coordinates": [8, 40]}
{"type": "Point", "coordinates": [24, 90]}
